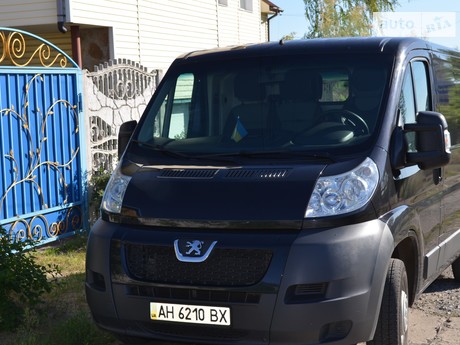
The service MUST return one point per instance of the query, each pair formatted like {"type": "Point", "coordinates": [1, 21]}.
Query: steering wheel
{"type": "Point", "coordinates": [350, 119]}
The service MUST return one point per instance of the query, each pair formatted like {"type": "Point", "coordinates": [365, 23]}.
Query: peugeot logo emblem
{"type": "Point", "coordinates": [193, 250]}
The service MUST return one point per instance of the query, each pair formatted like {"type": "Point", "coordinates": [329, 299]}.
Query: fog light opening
{"type": "Point", "coordinates": [97, 281]}
{"type": "Point", "coordinates": [335, 331]}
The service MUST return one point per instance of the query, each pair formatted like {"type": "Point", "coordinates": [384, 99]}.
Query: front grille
{"type": "Point", "coordinates": [218, 333]}
{"type": "Point", "coordinates": [202, 295]}
{"type": "Point", "coordinates": [224, 267]}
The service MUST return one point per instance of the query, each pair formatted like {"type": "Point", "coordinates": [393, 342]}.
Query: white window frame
{"type": "Point", "coordinates": [246, 5]}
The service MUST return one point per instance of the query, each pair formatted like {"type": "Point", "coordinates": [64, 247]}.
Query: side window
{"type": "Point", "coordinates": [159, 121]}
{"type": "Point", "coordinates": [422, 94]}
{"type": "Point", "coordinates": [181, 107]}
{"type": "Point", "coordinates": [407, 103]}
{"type": "Point", "coordinates": [172, 118]}
{"type": "Point", "coordinates": [415, 97]}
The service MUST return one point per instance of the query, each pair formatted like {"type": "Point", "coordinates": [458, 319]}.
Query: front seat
{"type": "Point", "coordinates": [300, 94]}
{"type": "Point", "coordinates": [366, 87]}
{"type": "Point", "coordinates": [249, 117]}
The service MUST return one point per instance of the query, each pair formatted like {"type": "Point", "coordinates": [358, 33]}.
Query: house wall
{"type": "Point", "coordinates": [150, 32]}
{"type": "Point", "coordinates": [120, 15]}
{"type": "Point", "coordinates": [14, 13]}
{"type": "Point", "coordinates": [153, 33]}
{"type": "Point", "coordinates": [237, 26]}
{"type": "Point", "coordinates": [170, 28]}
{"type": "Point", "coordinates": [264, 27]}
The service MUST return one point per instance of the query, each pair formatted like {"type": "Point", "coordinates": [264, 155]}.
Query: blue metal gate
{"type": "Point", "coordinates": [42, 170]}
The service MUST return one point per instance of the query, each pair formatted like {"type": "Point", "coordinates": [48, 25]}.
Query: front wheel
{"type": "Point", "coordinates": [393, 324]}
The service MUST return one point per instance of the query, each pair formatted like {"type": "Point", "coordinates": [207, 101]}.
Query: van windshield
{"type": "Point", "coordinates": [320, 104]}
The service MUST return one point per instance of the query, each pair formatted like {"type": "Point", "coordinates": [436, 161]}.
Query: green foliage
{"type": "Point", "coordinates": [98, 184]}
{"type": "Point", "coordinates": [181, 135]}
{"type": "Point", "coordinates": [22, 280]}
{"type": "Point", "coordinates": [79, 329]}
{"type": "Point", "coordinates": [68, 245]}
{"type": "Point", "coordinates": [63, 318]}
{"type": "Point", "coordinates": [289, 37]}
{"type": "Point", "coordinates": [75, 329]}
{"type": "Point", "coordinates": [340, 18]}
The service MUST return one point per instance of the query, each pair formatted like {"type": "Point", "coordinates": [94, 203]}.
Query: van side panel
{"type": "Point", "coordinates": [416, 188]}
{"type": "Point", "coordinates": [447, 96]}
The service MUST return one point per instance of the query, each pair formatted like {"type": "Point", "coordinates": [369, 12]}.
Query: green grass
{"type": "Point", "coordinates": [63, 318]}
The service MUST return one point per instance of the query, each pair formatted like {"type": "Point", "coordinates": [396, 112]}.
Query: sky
{"type": "Point", "coordinates": [442, 12]}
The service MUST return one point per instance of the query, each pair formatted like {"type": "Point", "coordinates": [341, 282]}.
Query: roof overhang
{"type": "Point", "coordinates": [269, 7]}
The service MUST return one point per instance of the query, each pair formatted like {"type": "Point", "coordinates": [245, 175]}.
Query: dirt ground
{"type": "Point", "coordinates": [435, 316]}
{"type": "Point", "coordinates": [432, 329]}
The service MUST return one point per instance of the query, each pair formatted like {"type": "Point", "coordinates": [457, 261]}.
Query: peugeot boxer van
{"type": "Point", "coordinates": [301, 192]}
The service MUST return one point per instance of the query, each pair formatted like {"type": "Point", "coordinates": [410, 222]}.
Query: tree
{"type": "Point", "coordinates": [289, 37]}
{"type": "Point", "coordinates": [337, 18]}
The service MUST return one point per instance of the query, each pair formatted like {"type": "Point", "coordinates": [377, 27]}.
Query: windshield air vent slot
{"type": "Point", "coordinates": [189, 173]}
{"type": "Point", "coordinates": [258, 173]}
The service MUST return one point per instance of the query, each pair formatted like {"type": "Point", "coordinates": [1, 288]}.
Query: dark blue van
{"type": "Point", "coordinates": [300, 192]}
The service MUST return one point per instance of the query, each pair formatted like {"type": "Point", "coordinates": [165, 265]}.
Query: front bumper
{"type": "Point", "coordinates": [318, 286]}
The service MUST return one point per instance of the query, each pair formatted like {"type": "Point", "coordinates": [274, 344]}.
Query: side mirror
{"type": "Point", "coordinates": [432, 141]}
{"type": "Point", "coordinates": [124, 134]}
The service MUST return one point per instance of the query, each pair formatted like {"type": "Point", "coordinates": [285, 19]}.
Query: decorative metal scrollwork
{"type": "Point", "coordinates": [35, 157]}
{"type": "Point", "coordinates": [38, 227]}
{"type": "Point", "coordinates": [14, 51]}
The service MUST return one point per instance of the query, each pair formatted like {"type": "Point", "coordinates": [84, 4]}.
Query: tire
{"type": "Point", "coordinates": [456, 269]}
{"type": "Point", "coordinates": [393, 324]}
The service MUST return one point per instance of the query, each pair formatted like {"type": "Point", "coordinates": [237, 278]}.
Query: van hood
{"type": "Point", "coordinates": [222, 194]}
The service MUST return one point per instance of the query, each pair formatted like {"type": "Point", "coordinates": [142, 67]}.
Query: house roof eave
{"type": "Point", "coordinates": [269, 7]}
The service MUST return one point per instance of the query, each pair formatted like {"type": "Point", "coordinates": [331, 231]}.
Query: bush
{"type": "Point", "coordinates": [97, 185]}
{"type": "Point", "coordinates": [22, 280]}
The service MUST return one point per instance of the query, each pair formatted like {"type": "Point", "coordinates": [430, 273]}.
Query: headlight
{"type": "Point", "coordinates": [334, 195]}
{"type": "Point", "coordinates": [114, 192]}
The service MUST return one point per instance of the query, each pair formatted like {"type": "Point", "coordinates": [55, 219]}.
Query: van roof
{"type": "Point", "coordinates": [316, 46]}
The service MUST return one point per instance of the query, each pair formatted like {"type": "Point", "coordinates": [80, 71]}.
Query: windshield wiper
{"type": "Point", "coordinates": [162, 149]}
{"type": "Point", "coordinates": [175, 154]}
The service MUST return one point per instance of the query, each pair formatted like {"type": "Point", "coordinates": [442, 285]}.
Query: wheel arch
{"type": "Point", "coordinates": [407, 250]}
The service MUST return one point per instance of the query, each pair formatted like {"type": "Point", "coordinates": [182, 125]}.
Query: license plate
{"type": "Point", "coordinates": [206, 315]}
